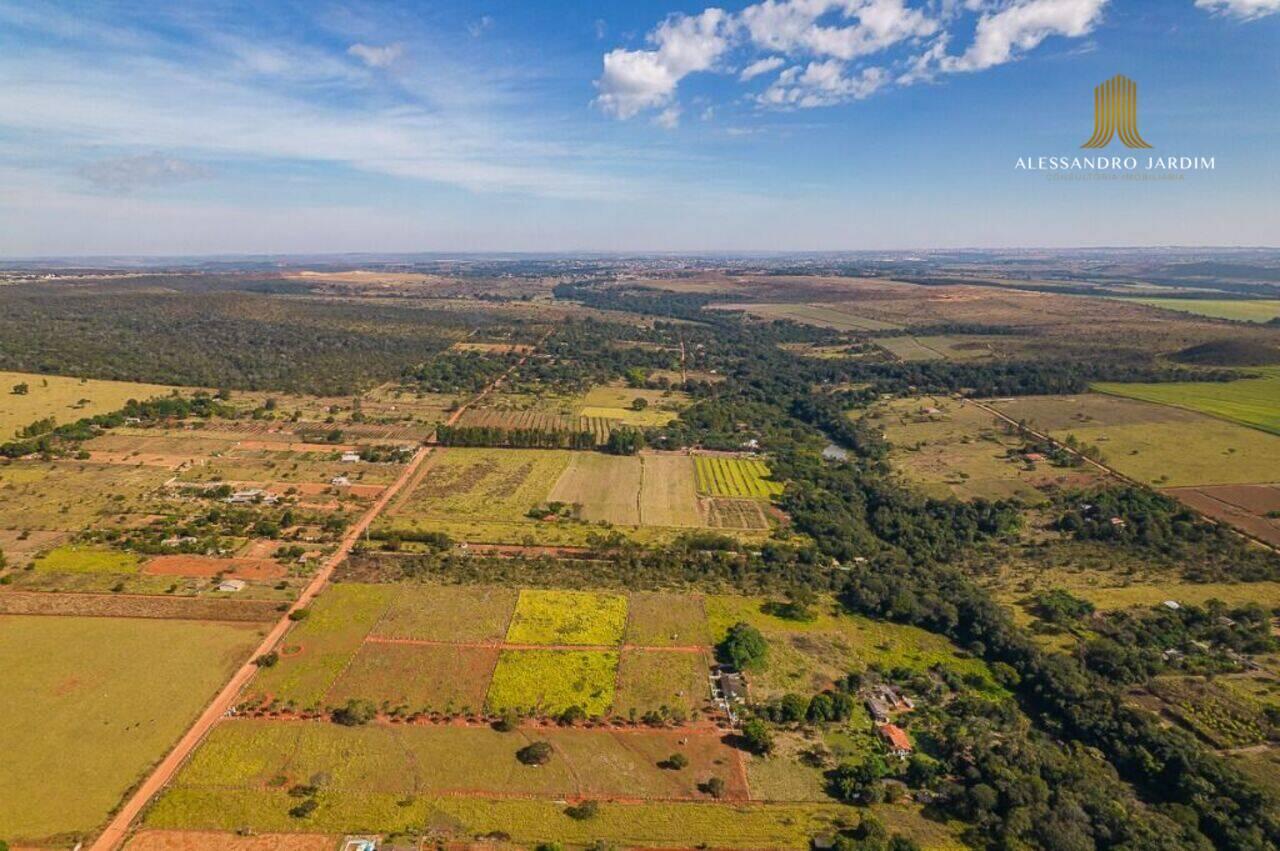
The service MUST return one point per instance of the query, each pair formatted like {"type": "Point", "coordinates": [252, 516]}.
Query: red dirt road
{"type": "Point", "coordinates": [117, 830]}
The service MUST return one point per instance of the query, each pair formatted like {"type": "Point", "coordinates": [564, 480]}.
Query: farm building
{"type": "Point", "coordinates": [896, 739]}
{"type": "Point", "coordinates": [231, 585]}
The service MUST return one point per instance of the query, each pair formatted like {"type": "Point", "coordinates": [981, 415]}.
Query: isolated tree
{"type": "Point", "coordinates": [20, 389]}
{"type": "Point", "coordinates": [744, 647]}
{"type": "Point", "coordinates": [583, 811]}
{"type": "Point", "coordinates": [639, 403]}
{"type": "Point", "coordinates": [675, 762]}
{"type": "Point", "coordinates": [714, 787]}
{"type": "Point", "coordinates": [756, 736]}
{"type": "Point", "coordinates": [535, 753]}
{"type": "Point", "coordinates": [355, 713]}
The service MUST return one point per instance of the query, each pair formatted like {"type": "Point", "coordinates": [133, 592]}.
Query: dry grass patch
{"type": "Point", "coordinates": [417, 677]}
{"type": "Point", "coordinates": [660, 619]}
{"type": "Point", "coordinates": [462, 613]}
{"type": "Point", "coordinates": [551, 681]}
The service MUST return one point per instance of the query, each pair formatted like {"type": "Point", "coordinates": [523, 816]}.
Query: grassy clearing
{"type": "Point", "coordinates": [659, 824]}
{"type": "Point", "coordinates": [616, 403]}
{"type": "Point", "coordinates": [1260, 310]}
{"type": "Point", "coordinates": [1250, 401]}
{"type": "Point", "coordinates": [417, 677]}
{"type": "Point", "coordinates": [1156, 444]}
{"type": "Point", "coordinates": [568, 617]}
{"type": "Point", "coordinates": [71, 495]}
{"type": "Point", "coordinates": [462, 613]}
{"type": "Point", "coordinates": [602, 488]}
{"type": "Point", "coordinates": [658, 619]}
{"type": "Point", "coordinates": [437, 760]}
{"type": "Point", "coordinates": [91, 703]}
{"type": "Point", "coordinates": [951, 449]}
{"type": "Point", "coordinates": [649, 680]}
{"type": "Point", "coordinates": [734, 477]}
{"type": "Point", "coordinates": [73, 558]}
{"type": "Point", "coordinates": [317, 650]}
{"type": "Point", "coordinates": [833, 316]}
{"type": "Point", "coordinates": [65, 399]}
{"type": "Point", "coordinates": [807, 656]}
{"type": "Point", "coordinates": [551, 681]}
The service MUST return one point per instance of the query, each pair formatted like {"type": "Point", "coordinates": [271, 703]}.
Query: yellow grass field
{"type": "Point", "coordinates": [614, 403]}
{"type": "Point", "coordinates": [948, 448]}
{"type": "Point", "coordinates": [1155, 444]}
{"type": "Point", "coordinates": [90, 703]}
{"type": "Point", "coordinates": [64, 399]}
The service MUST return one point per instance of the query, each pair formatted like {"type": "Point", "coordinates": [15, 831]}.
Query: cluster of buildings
{"type": "Point", "coordinates": [883, 702]}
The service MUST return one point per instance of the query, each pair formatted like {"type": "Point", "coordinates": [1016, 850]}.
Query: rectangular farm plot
{"type": "Point", "coordinates": [458, 613]}
{"type": "Point", "coordinates": [319, 648]}
{"type": "Point", "coordinates": [91, 703]}
{"type": "Point", "coordinates": [417, 761]}
{"type": "Point", "coordinates": [551, 681]}
{"type": "Point", "coordinates": [653, 679]}
{"type": "Point", "coordinates": [73, 558]}
{"type": "Point", "coordinates": [667, 493]}
{"type": "Point", "coordinates": [568, 617]}
{"type": "Point", "coordinates": [734, 477]}
{"type": "Point", "coordinates": [741, 514]}
{"type": "Point", "coordinates": [1156, 444]}
{"type": "Point", "coordinates": [601, 488]}
{"type": "Point", "coordinates": [70, 495]}
{"type": "Point", "coordinates": [417, 677]}
{"type": "Point", "coordinates": [660, 619]}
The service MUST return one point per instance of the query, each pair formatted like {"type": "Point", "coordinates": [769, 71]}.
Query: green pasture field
{"type": "Point", "coordinates": [532, 821]}
{"type": "Point", "coordinates": [1252, 310]}
{"type": "Point", "coordinates": [659, 619]}
{"type": "Point", "coordinates": [73, 558]}
{"type": "Point", "coordinates": [734, 477]}
{"type": "Point", "coordinates": [834, 316]}
{"type": "Point", "coordinates": [568, 617]}
{"type": "Point", "coordinates": [90, 703]}
{"type": "Point", "coordinates": [1250, 401]}
{"type": "Point", "coordinates": [417, 677]}
{"type": "Point", "coordinates": [71, 495]}
{"type": "Point", "coordinates": [285, 466]}
{"type": "Point", "coordinates": [551, 681]}
{"type": "Point", "coordinates": [807, 656]}
{"type": "Point", "coordinates": [1155, 444]}
{"type": "Point", "coordinates": [65, 399]}
{"type": "Point", "coordinates": [947, 347]}
{"type": "Point", "coordinates": [460, 613]}
{"type": "Point", "coordinates": [614, 403]}
{"type": "Point", "coordinates": [319, 648]}
{"type": "Point", "coordinates": [650, 679]}
{"type": "Point", "coordinates": [948, 448]}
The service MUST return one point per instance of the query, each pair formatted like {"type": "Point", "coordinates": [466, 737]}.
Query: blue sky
{"type": "Point", "coordinates": [224, 127]}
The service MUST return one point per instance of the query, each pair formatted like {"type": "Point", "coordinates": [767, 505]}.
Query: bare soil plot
{"type": "Point", "coordinates": [460, 613]}
{"type": "Point", "coordinates": [1155, 444]}
{"type": "Point", "coordinates": [203, 840]}
{"type": "Point", "coordinates": [417, 677]}
{"type": "Point", "coordinates": [260, 569]}
{"type": "Point", "coordinates": [134, 606]}
{"type": "Point", "coordinates": [91, 703]}
{"type": "Point", "coordinates": [652, 679]}
{"type": "Point", "coordinates": [65, 399]}
{"type": "Point", "coordinates": [659, 619]}
{"type": "Point", "coordinates": [1252, 508]}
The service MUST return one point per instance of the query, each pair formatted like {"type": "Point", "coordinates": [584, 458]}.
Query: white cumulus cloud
{"type": "Point", "coordinates": [1002, 35]}
{"type": "Point", "coordinates": [761, 66]}
{"type": "Point", "coordinates": [375, 56]}
{"type": "Point", "coordinates": [635, 80]}
{"type": "Point", "coordinates": [1246, 10]}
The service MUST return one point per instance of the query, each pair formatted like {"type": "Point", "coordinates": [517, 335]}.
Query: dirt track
{"type": "Point", "coordinates": [117, 830]}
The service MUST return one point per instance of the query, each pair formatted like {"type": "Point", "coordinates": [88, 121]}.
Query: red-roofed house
{"type": "Point", "coordinates": [896, 738]}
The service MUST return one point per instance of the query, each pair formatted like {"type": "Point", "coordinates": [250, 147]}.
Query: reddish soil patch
{"type": "Point", "coordinates": [200, 840]}
{"type": "Point", "coordinates": [192, 565]}
{"type": "Point", "coordinates": [278, 446]}
{"type": "Point", "coordinates": [137, 606]}
{"type": "Point", "coordinates": [1243, 506]}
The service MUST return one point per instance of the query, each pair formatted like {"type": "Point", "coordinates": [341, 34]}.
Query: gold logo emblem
{"type": "Point", "coordinates": [1115, 113]}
